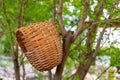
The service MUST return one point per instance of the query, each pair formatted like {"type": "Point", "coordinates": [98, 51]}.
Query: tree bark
{"type": "Point", "coordinates": [16, 63]}
{"type": "Point", "coordinates": [14, 52]}
{"type": "Point", "coordinates": [67, 40]}
{"type": "Point", "coordinates": [50, 75]}
{"type": "Point", "coordinates": [83, 68]}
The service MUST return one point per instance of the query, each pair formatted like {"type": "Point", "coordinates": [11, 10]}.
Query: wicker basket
{"type": "Point", "coordinates": [41, 44]}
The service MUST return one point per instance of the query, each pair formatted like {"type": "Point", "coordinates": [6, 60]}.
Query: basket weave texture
{"type": "Point", "coordinates": [41, 44]}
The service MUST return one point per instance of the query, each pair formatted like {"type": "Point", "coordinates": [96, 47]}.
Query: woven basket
{"type": "Point", "coordinates": [41, 44]}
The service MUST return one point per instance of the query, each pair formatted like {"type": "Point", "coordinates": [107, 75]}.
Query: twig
{"type": "Point", "coordinates": [2, 25]}
{"type": "Point", "coordinates": [72, 76]}
{"type": "Point", "coordinates": [24, 9]}
{"type": "Point", "coordinates": [10, 30]}
{"type": "Point", "coordinates": [23, 65]}
{"type": "Point", "coordinates": [54, 10]}
{"type": "Point", "coordinates": [22, 57]}
{"type": "Point", "coordinates": [112, 21]}
{"type": "Point", "coordinates": [93, 27]}
{"type": "Point", "coordinates": [5, 13]}
{"type": "Point", "coordinates": [78, 46]}
{"type": "Point", "coordinates": [106, 39]}
{"type": "Point", "coordinates": [82, 21]}
{"type": "Point", "coordinates": [20, 14]}
{"type": "Point", "coordinates": [100, 8]}
{"type": "Point", "coordinates": [99, 40]}
{"type": "Point", "coordinates": [103, 72]}
{"type": "Point", "coordinates": [60, 19]}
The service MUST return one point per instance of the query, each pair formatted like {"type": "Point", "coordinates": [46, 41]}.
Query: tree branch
{"type": "Point", "coordinates": [82, 21]}
{"type": "Point", "coordinates": [4, 11]}
{"type": "Point", "coordinates": [99, 40]}
{"type": "Point", "coordinates": [66, 46]}
{"type": "Point", "coordinates": [112, 21]}
{"type": "Point", "coordinates": [60, 19]}
{"type": "Point", "coordinates": [50, 75]}
{"type": "Point", "coordinates": [2, 24]}
{"type": "Point", "coordinates": [100, 8]}
{"type": "Point", "coordinates": [103, 72]}
{"type": "Point", "coordinates": [72, 76]}
{"type": "Point", "coordinates": [9, 24]}
{"type": "Point", "coordinates": [17, 65]}
{"type": "Point", "coordinates": [15, 61]}
{"type": "Point", "coordinates": [21, 63]}
{"type": "Point", "coordinates": [102, 33]}
{"type": "Point", "coordinates": [54, 10]}
{"type": "Point", "coordinates": [93, 27]}
{"type": "Point", "coordinates": [20, 14]}
{"type": "Point", "coordinates": [83, 68]}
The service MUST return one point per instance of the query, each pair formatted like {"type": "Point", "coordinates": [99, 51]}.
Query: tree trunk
{"type": "Point", "coordinates": [50, 75]}
{"type": "Point", "coordinates": [67, 40]}
{"type": "Point", "coordinates": [83, 68]}
{"type": "Point", "coordinates": [16, 64]}
{"type": "Point", "coordinates": [16, 68]}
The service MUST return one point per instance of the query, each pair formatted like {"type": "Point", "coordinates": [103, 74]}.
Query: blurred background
{"type": "Point", "coordinates": [18, 13]}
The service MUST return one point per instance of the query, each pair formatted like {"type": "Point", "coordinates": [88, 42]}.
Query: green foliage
{"type": "Point", "coordinates": [72, 12]}
{"type": "Point", "coordinates": [36, 11]}
{"type": "Point", "coordinates": [42, 10]}
{"type": "Point", "coordinates": [114, 53]}
{"type": "Point", "coordinates": [33, 11]}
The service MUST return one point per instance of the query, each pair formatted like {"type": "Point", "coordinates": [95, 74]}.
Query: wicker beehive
{"type": "Point", "coordinates": [41, 44]}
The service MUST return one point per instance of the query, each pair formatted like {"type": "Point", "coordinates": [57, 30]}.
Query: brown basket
{"type": "Point", "coordinates": [41, 44]}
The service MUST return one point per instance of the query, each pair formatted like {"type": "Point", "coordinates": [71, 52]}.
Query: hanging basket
{"type": "Point", "coordinates": [41, 44]}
